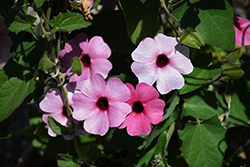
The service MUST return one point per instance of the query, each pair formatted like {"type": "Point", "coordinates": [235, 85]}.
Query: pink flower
{"type": "Point", "coordinates": [53, 105]}
{"type": "Point", "coordinates": [242, 31]}
{"type": "Point", "coordinates": [5, 41]}
{"type": "Point", "coordinates": [93, 55]}
{"type": "Point", "coordinates": [161, 59]}
{"type": "Point", "coordinates": [146, 109]}
{"type": "Point", "coordinates": [100, 105]}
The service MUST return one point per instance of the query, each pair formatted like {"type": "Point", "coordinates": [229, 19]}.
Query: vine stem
{"type": "Point", "coordinates": [177, 22]}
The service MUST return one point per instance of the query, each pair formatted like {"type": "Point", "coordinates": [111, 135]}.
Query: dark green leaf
{"type": "Point", "coordinates": [57, 127]}
{"type": "Point", "coordinates": [16, 82]}
{"type": "Point", "coordinates": [65, 160]}
{"type": "Point", "coordinates": [232, 70]}
{"type": "Point", "coordinates": [162, 126]}
{"type": "Point", "coordinates": [4, 131]}
{"type": "Point", "coordinates": [141, 19]}
{"type": "Point", "coordinates": [191, 38]}
{"type": "Point", "coordinates": [22, 22]}
{"type": "Point", "coordinates": [198, 78]}
{"type": "Point", "coordinates": [76, 66]}
{"type": "Point", "coordinates": [203, 105]}
{"type": "Point", "coordinates": [212, 19]}
{"type": "Point", "coordinates": [68, 22]}
{"type": "Point", "coordinates": [203, 143]}
{"type": "Point", "coordinates": [46, 64]}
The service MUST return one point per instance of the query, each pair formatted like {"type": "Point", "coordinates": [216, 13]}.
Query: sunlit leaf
{"type": "Point", "coordinates": [212, 19]}
{"type": "Point", "coordinates": [191, 38]}
{"type": "Point", "coordinates": [203, 105]}
{"type": "Point", "coordinates": [203, 143]}
{"type": "Point", "coordinates": [68, 22]}
{"type": "Point", "coordinates": [65, 160]}
{"type": "Point", "coordinates": [57, 127]}
{"type": "Point", "coordinates": [76, 66]}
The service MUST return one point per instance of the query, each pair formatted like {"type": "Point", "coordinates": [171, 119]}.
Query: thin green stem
{"type": "Point", "coordinates": [177, 22]}
{"type": "Point", "coordinates": [48, 16]}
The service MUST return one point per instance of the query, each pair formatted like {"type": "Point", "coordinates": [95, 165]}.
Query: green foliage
{"type": "Point", "coordinates": [191, 38]}
{"type": "Point", "coordinates": [214, 26]}
{"type": "Point", "coordinates": [22, 22]}
{"type": "Point", "coordinates": [141, 19]}
{"type": "Point", "coordinates": [203, 143]}
{"type": "Point", "coordinates": [57, 127]}
{"type": "Point", "coordinates": [76, 66]}
{"type": "Point", "coordinates": [204, 105]}
{"type": "Point", "coordinates": [68, 22]}
{"type": "Point", "coordinates": [65, 160]}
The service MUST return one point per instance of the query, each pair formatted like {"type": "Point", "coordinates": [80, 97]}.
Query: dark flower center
{"type": "Point", "coordinates": [137, 107]}
{"type": "Point", "coordinates": [85, 60]}
{"type": "Point", "coordinates": [162, 60]}
{"type": "Point", "coordinates": [236, 23]}
{"type": "Point", "coordinates": [102, 104]}
{"type": "Point", "coordinates": [65, 111]}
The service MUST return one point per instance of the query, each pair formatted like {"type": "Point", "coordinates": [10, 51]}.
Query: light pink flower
{"type": "Point", "coordinates": [93, 55]}
{"type": "Point", "coordinates": [146, 109]}
{"type": "Point", "coordinates": [53, 105]}
{"type": "Point", "coordinates": [161, 59]}
{"type": "Point", "coordinates": [242, 31]}
{"type": "Point", "coordinates": [100, 105]}
{"type": "Point", "coordinates": [5, 41]}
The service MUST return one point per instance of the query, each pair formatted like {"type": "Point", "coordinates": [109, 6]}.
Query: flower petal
{"type": "Point", "coordinates": [145, 92]}
{"type": "Point", "coordinates": [144, 72]}
{"type": "Point", "coordinates": [84, 107]}
{"type": "Point", "coordinates": [117, 113]}
{"type": "Point", "coordinates": [168, 80]}
{"type": "Point", "coordinates": [52, 102]}
{"type": "Point", "coordinates": [100, 66]}
{"type": "Point", "coordinates": [147, 51]}
{"type": "Point", "coordinates": [165, 43]}
{"type": "Point", "coordinates": [116, 91]}
{"type": "Point", "coordinates": [97, 48]}
{"type": "Point", "coordinates": [93, 87]}
{"type": "Point", "coordinates": [180, 63]}
{"type": "Point", "coordinates": [154, 110]}
{"type": "Point", "coordinates": [137, 124]}
{"type": "Point", "coordinates": [98, 123]}
{"type": "Point", "coordinates": [132, 94]}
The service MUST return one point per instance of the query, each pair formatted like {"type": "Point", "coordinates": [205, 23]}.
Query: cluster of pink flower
{"type": "Point", "coordinates": [114, 104]}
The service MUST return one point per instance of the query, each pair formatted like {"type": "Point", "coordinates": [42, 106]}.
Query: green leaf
{"type": "Point", "coordinates": [68, 22]}
{"type": "Point", "coordinates": [4, 131]}
{"type": "Point", "coordinates": [16, 83]}
{"type": "Point", "coordinates": [198, 78]}
{"type": "Point", "coordinates": [203, 105]}
{"type": "Point", "coordinates": [141, 18]}
{"type": "Point", "coordinates": [76, 66]}
{"type": "Point", "coordinates": [162, 126]}
{"type": "Point", "coordinates": [232, 70]}
{"type": "Point", "coordinates": [22, 22]}
{"type": "Point", "coordinates": [239, 105]}
{"type": "Point", "coordinates": [203, 143]}
{"type": "Point", "coordinates": [39, 2]}
{"type": "Point", "coordinates": [65, 160]}
{"type": "Point", "coordinates": [57, 127]}
{"type": "Point", "coordinates": [46, 64]}
{"type": "Point", "coordinates": [191, 38]}
{"type": "Point", "coordinates": [212, 19]}
{"type": "Point", "coordinates": [231, 65]}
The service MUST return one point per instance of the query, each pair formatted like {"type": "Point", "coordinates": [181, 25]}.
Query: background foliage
{"type": "Point", "coordinates": [206, 123]}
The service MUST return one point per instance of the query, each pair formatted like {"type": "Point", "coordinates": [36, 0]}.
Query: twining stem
{"type": "Point", "coordinates": [177, 22]}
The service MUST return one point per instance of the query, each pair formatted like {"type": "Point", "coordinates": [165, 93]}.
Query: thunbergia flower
{"type": "Point", "coordinates": [5, 41]}
{"type": "Point", "coordinates": [242, 31]}
{"type": "Point", "coordinates": [101, 105]}
{"type": "Point", "coordinates": [53, 106]}
{"type": "Point", "coordinates": [146, 109]}
{"type": "Point", "coordinates": [161, 59]}
{"type": "Point", "coordinates": [93, 55]}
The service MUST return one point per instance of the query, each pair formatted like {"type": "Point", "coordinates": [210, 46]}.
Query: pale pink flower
{"type": "Point", "coordinates": [146, 109]}
{"type": "Point", "coordinates": [101, 105]}
{"type": "Point", "coordinates": [242, 31]}
{"type": "Point", "coordinates": [5, 41]}
{"type": "Point", "coordinates": [93, 55]}
{"type": "Point", "coordinates": [161, 59]}
{"type": "Point", "coordinates": [53, 106]}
